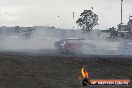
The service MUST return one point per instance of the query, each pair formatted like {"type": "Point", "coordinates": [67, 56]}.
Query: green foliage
{"type": "Point", "coordinates": [87, 20]}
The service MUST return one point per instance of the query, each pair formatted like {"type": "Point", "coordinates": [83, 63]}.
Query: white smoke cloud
{"type": "Point", "coordinates": [40, 39]}
{"type": "Point", "coordinates": [45, 38]}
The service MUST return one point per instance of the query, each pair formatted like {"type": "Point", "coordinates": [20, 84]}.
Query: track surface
{"type": "Point", "coordinates": [50, 70]}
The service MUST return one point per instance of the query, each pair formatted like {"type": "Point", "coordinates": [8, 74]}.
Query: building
{"type": "Point", "coordinates": [125, 30]}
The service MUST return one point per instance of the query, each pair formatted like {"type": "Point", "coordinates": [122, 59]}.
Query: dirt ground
{"type": "Point", "coordinates": [22, 70]}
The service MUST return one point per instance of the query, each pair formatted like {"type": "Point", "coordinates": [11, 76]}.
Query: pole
{"type": "Point", "coordinates": [129, 17]}
{"type": "Point", "coordinates": [73, 18]}
{"type": "Point", "coordinates": [73, 15]}
{"type": "Point", "coordinates": [121, 11]}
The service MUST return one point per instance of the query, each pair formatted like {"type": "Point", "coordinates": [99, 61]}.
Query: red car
{"type": "Point", "coordinates": [68, 45]}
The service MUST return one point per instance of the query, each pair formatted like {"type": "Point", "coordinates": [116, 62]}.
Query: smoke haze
{"type": "Point", "coordinates": [44, 38]}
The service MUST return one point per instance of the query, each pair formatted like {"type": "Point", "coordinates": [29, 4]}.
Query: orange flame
{"type": "Point", "coordinates": [84, 73]}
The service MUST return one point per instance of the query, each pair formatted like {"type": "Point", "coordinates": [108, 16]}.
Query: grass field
{"type": "Point", "coordinates": [22, 70]}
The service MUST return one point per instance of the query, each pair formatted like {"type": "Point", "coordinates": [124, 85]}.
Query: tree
{"type": "Point", "coordinates": [113, 32]}
{"type": "Point", "coordinates": [87, 20]}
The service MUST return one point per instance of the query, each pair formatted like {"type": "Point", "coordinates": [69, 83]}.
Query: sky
{"type": "Point", "coordinates": [59, 13]}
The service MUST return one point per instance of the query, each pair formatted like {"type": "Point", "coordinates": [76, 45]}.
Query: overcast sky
{"type": "Point", "coordinates": [59, 12]}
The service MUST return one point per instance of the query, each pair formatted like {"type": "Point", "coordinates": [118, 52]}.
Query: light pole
{"type": "Point", "coordinates": [121, 11]}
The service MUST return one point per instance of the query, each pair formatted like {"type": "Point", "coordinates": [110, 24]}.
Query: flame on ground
{"type": "Point", "coordinates": [84, 73]}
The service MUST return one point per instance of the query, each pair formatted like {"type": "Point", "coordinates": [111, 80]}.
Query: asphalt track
{"type": "Point", "coordinates": [50, 69]}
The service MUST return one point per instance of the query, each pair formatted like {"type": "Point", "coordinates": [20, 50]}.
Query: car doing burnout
{"type": "Point", "coordinates": [68, 45]}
